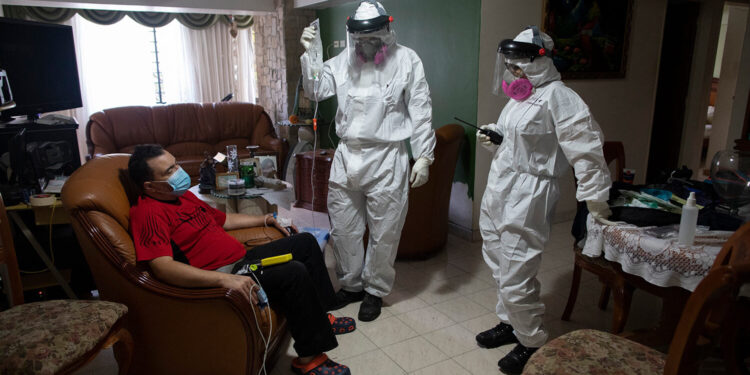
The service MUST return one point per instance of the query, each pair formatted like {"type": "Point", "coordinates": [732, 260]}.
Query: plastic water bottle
{"type": "Point", "coordinates": [688, 222]}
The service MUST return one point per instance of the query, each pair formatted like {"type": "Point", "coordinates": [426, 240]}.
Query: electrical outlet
{"type": "Point", "coordinates": [336, 44]}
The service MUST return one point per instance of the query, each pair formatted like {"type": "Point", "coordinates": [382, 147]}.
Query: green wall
{"type": "Point", "coordinates": [445, 35]}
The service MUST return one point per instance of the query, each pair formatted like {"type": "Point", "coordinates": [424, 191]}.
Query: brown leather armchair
{"type": "Point", "coordinates": [426, 226]}
{"type": "Point", "coordinates": [175, 330]}
{"type": "Point", "coordinates": [185, 130]}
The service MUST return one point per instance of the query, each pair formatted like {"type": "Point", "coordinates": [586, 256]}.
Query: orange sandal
{"type": "Point", "coordinates": [320, 365]}
{"type": "Point", "coordinates": [342, 325]}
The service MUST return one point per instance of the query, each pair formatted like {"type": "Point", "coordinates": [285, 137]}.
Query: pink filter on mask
{"type": "Point", "coordinates": [520, 89]}
{"type": "Point", "coordinates": [380, 56]}
{"type": "Point", "coordinates": [377, 59]}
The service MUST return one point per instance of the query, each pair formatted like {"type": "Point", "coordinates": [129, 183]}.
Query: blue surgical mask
{"type": "Point", "coordinates": [179, 181]}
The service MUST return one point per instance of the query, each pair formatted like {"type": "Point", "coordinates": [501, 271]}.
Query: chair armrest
{"type": "Point", "coordinates": [252, 237]}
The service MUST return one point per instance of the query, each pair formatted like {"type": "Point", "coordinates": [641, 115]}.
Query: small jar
{"type": "Point", "coordinates": [247, 173]}
{"type": "Point", "coordinates": [236, 187]}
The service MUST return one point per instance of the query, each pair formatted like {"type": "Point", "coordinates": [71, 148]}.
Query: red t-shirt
{"type": "Point", "coordinates": [189, 224]}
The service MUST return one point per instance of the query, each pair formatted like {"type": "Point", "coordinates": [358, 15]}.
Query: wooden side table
{"type": "Point", "coordinates": [318, 184]}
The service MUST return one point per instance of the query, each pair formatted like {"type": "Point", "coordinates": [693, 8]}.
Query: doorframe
{"type": "Point", "coordinates": [699, 87]}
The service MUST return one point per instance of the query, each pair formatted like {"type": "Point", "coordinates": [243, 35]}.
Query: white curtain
{"type": "Point", "coordinates": [220, 65]}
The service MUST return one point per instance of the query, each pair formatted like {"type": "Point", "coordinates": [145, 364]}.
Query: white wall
{"type": "Point", "coordinates": [623, 107]}
{"type": "Point", "coordinates": [238, 7]}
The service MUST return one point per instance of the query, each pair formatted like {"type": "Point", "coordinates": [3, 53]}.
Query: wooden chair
{"type": "Point", "coordinates": [55, 337]}
{"type": "Point", "coordinates": [8, 263]}
{"type": "Point", "coordinates": [715, 314]}
{"type": "Point", "coordinates": [602, 268]}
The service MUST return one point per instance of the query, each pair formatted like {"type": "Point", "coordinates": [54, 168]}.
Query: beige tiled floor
{"type": "Point", "coordinates": [438, 306]}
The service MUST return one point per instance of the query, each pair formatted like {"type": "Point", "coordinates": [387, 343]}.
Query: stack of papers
{"type": "Point", "coordinates": [55, 186]}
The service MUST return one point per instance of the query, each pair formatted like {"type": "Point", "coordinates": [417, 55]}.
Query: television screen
{"type": "Point", "coordinates": [40, 61]}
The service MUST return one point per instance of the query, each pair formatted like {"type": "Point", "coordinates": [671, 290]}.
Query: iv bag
{"type": "Point", "coordinates": [316, 52]}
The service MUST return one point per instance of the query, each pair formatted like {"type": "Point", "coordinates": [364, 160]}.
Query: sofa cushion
{"type": "Point", "coordinates": [44, 337]}
{"type": "Point", "coordinates": [594, 352]}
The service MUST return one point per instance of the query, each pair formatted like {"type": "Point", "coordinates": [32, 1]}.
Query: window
{"type": "Point", "coordinates": [118, 64]}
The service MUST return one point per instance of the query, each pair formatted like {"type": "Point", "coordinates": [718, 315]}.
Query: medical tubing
{"type": "Point", "coordinates": [315, 149]}
{"type": "Point", "coordinates": [266, 341]}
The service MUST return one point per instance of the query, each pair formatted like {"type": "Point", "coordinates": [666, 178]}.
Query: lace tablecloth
{"type": "Point", "coordinates": [660, 261]}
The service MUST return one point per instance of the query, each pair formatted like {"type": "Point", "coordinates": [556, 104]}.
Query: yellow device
{"type": "Point", "coordinates": [270, 261]}
{"type": "Point", "coordinates": [265, 262]}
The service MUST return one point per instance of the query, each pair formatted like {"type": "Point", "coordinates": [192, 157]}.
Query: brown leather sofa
{"type": "Point", "coordinates": [185, 130]}
{"type": "Point", "coordinates": [175, 330]}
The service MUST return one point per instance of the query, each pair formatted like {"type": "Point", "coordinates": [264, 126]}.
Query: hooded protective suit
{"type": "Point", "coordinates": [543, 135]}
{"type": "Point", "coordinates": [381, 103]}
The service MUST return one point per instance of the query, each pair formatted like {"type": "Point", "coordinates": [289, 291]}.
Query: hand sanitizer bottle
{"type": "Point", "coordinates": [688, 222]}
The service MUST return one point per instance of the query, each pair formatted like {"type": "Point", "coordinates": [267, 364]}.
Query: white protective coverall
{"type": "Point", "coordinates": [543, 135]}
{"type": "Point", "coordinates": [379, 107]}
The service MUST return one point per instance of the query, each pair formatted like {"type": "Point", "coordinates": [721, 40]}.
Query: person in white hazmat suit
{"type": "Point", "coordinates": [546, 127]}
{"type": "Point", "coordinates": [383, 100]}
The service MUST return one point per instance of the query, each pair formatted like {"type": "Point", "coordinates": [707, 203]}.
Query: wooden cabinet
{"type": "Point", "coordinates": [307, 187]}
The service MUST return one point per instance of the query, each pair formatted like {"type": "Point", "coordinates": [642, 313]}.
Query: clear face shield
{"type": "Point", "coordinates": [510, 78]}
{"type": "Point", "coordinates": [506, 70]}
{"type": "Point", "coordinates": [369, 47]}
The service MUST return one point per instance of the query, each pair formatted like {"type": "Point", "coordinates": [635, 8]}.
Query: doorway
{"type": "Point", "coordinates": [672, 88]}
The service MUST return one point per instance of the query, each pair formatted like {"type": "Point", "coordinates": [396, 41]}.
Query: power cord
{"type": "Point", "coordinates": [51, 250]}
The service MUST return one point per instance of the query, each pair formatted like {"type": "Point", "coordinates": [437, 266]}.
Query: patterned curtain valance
{"type": "Point", "coordinates": [108, 17]}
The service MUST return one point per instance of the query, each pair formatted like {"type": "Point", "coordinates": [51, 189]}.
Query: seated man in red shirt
{"type": "Point", "coordinates": [185, 243]}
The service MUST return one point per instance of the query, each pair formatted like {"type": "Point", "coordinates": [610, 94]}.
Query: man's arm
{"type": "Point", "coordinates": [240, 221]}
{"type": "Point", "coordinates": [172, 272]}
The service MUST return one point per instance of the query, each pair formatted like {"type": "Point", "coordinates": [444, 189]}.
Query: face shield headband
{"type": "Point", "coordinates": [369, 25]}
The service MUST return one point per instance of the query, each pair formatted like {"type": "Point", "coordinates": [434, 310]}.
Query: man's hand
{"type": "Point", "coordinates": [420, 173]}
{"type": "Point", "coordinates": [244, 284]}
{"type": "Point", "coordinates": [308, 34]}
{"type": "Point", "coordinates": [270, 221]}
{"type": "Point", "coordinates": [600, 211]}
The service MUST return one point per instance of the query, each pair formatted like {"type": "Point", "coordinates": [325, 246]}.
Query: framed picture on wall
{"type": "Point", "coordinates": [591, 36]}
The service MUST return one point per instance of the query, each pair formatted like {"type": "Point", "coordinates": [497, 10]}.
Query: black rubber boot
{"type": "Point", "coordinates": [345, 297]}
{"type": "Point", "coordinates": [514, 362]}
{"type": "Point", "coordinates": [499, 335]}
{"type": "Point", "coordinates": [369, 310]}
